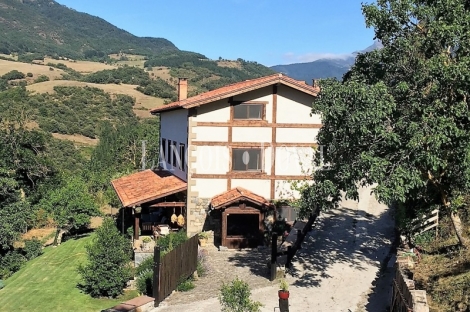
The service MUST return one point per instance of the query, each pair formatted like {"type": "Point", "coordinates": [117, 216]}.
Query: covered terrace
{"type": "Point", "coordinates": [157, 198]}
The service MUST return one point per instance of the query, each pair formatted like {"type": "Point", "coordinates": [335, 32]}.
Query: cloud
{"type": "Point", "coordinates": [310, 57]}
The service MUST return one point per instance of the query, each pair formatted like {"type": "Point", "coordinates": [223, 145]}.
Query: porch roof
{"type": "Point", "coordinates": [145, 186]}
{"type": "Point", "coordinates": [235, 195]}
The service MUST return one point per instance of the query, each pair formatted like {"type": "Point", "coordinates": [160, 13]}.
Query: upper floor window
{"type": "Point", "coordinates": [247, 159]}
{"type": "Point", "coordinates": [248, 111]}
{"type": "Point", "coordinates": [164, 151]}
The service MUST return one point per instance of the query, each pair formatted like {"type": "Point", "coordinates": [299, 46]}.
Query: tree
{"type": "Point", "coordinates": [235, 297]}
{"type": "Point", "coordinates": [13, 210]}
{"type": "Point", "coordinates": [108, 268]}
{"type": "Point", "coordinates": [71, 206]}
{"type": "Point", "coordinates": [400, 117]}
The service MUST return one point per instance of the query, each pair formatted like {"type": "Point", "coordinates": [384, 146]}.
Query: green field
{"type": "Point", "coordinates": [49, 283]}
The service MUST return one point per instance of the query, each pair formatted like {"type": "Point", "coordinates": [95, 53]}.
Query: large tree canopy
{"type": "Point", "coordinates": [400, 117]}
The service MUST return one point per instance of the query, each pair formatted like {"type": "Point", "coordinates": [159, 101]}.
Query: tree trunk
{"type": "Point", "coordinates": [58, 236]}
{"type": "Point", "coordinates": [457, 223]}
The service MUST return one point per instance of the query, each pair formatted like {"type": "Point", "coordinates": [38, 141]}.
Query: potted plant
{"type": "Point", "coordinates": [203, 236]}
{"type": "Point", "coordinates": [146, 240]}
{"type": "Point", "coordinates": [283, 289]}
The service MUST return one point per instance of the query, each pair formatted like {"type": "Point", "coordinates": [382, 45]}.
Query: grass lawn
{"type": "Point", "coordinates": [49, 283]}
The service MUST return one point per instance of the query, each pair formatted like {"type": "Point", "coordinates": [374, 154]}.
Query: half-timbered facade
{"type": "Point", "coordinates": [256, 135]}
{"type": "Point", "coordinates": [225, 156]}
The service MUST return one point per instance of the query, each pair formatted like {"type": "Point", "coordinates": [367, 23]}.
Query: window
{"type": "Point", "coordinates": [174, 153]}
{"type": "Point", "coordinates": [248, 111]}
{"type": "Point", "coordinates": [246, 159]}
{"type": "Point", "coordinates": [164, 151]}
{"type": "Point", "coordinates": [182, 157]}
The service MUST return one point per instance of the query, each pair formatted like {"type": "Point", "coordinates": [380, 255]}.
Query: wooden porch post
{"type": "Point", "coordinates": [136, 225]}
{"type": "Point", "coordinates": [224, 228]}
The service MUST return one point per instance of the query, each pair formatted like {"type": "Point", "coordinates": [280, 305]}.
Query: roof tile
{"type": "Point", "coordinates": [236, 194]}
{"type": "Point", "coordinates": [145, 186]}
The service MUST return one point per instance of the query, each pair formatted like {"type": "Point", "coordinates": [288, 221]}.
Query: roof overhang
{"type": "Point", "coordinates": [236, 195]}
{"type": "Point", "coordinates": [236, 89]}
{"type": "Point", "coordinates": [146, 186]}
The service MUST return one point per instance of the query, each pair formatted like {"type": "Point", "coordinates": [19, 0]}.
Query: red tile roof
{"type": "Point", "coordinates": [238, 88]}
{"type": "Point", "coordinates": [236, 194]}
{"type": "Point", "coordinates": [145, 186]}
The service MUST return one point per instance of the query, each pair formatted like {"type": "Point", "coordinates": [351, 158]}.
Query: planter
{"type": "Point", "coordinates": [283, 294]}
{"type": "Point", "coordinates": [202, 242]}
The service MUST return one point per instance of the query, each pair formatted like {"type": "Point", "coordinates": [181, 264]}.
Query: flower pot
{"type": "Point", "coordinates": [283, 294]}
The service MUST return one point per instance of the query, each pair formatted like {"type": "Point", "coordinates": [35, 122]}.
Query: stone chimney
{"type": "Point", "coordinates": [182, 89]}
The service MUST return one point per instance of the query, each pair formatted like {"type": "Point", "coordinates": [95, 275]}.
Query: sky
{"type": "Point", "coordinates": [270, 32]}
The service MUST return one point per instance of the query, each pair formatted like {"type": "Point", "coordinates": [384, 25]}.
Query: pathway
{"type": "Point", "coordinates": [338, 268]}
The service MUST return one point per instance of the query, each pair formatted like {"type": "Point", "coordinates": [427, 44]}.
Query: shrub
{"type": "Point", "coordinates": [29, 75]}
{"type": "Point", "coordinates": [10, 263]}
{"type": "Point", "coordinates": [108, 268]}
{"type": "Point", "coordinates": [202, 264]}
{"type": "Point", "coordinates": [145, 283]}
{"type": "Point", "coordinates": [12, 75]}
{"type": "Point", "coordinates": [170, 241]}
{"type": "Point", "coordinates": [144, 273]}
{"type": "Point", "coordinates": [32, 248]}
{"type": "Point", "coordinates": [185, 285]}
{"type": "Point", "coordinates": [41, 78]}
{"type": "Point", "coordinates": [235, 297]}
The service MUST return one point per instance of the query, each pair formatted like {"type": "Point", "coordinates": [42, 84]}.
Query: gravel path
{"type": "Point", "coordinates": [338, 268]}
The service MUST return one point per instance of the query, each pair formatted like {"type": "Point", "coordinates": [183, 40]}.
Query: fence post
{"type": "Point", "coordinates": [284, 305]}
{"type": "Point", "coordinates": [156, 276]}
{"type": "Point", "coordinates": [273, 265]}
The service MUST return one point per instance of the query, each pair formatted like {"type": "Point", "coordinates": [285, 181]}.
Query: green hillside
{"type": "Point", "coordinates": [49, 283]}
{"type": "Point", "coordinates": [47, 27]}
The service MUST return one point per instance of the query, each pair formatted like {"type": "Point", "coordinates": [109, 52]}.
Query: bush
{"type": "Point", "coordinates": [235, 297]}
{"type": "Point", "coordinates": [108, 268]}
{"type": "Point", "coordinates": [170, 241]}
{"type": "Point", "coordinates": [12, 75]}
{"type": "Point", "coordinates": [32, 248]}
{"type": "Point", "coordinates": [41, 78]}
{"type": "Point", "coordinates": [185, 285]}
{"type": "Point", "coordinates": [202, 265]}
{"type": "Point", "coordinates": [10, 263]}
{"type": "Point", "coordinates": [144, 273]}
{"type": "Point", "coordinates": [29, 75]}
{"type": "Point", "coordinates": [145, 283]}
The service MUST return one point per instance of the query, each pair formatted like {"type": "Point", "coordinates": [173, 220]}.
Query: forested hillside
{"type": "Point", "coordinates": [47, 27]}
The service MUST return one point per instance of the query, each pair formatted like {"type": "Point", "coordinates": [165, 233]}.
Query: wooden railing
{"type": "Point", "coordinates": [426, 222]}
{"type": "Point", "coordinates": [173, 267]}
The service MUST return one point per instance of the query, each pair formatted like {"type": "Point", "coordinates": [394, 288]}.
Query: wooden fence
{"type": "Point", "coordinates": [426, 222]}
{"type": "Point", "coordinates": [173, 267]}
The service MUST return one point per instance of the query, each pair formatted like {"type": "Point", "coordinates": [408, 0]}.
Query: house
{"type": "Point", "coordinates": [232, 150]}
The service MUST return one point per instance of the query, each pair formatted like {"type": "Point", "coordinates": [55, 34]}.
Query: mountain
{"type": "Point", "coordinates": [47, 27]}
{"type": "Point", "coordinates": [323, 68]}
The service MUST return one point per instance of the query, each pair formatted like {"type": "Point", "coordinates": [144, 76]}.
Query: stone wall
{"type": "Point", "coordinates": [141, 256]}
{"type": "Point", "coordinates": [197, 214]}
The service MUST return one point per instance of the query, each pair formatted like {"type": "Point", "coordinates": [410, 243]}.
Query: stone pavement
{"type": "Point", "coordinates": [248, 265]}
{"type": "Point", "coordinates": [338, 268]}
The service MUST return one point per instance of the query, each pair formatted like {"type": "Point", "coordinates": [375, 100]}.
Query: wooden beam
{"type": "Point", "coordinates": [249, 175]}
{"type": "Point", "coordinates": [168, 204]}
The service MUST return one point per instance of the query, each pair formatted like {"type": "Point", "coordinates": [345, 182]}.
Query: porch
{"type": "Point", "coordinates": [156, 200]}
